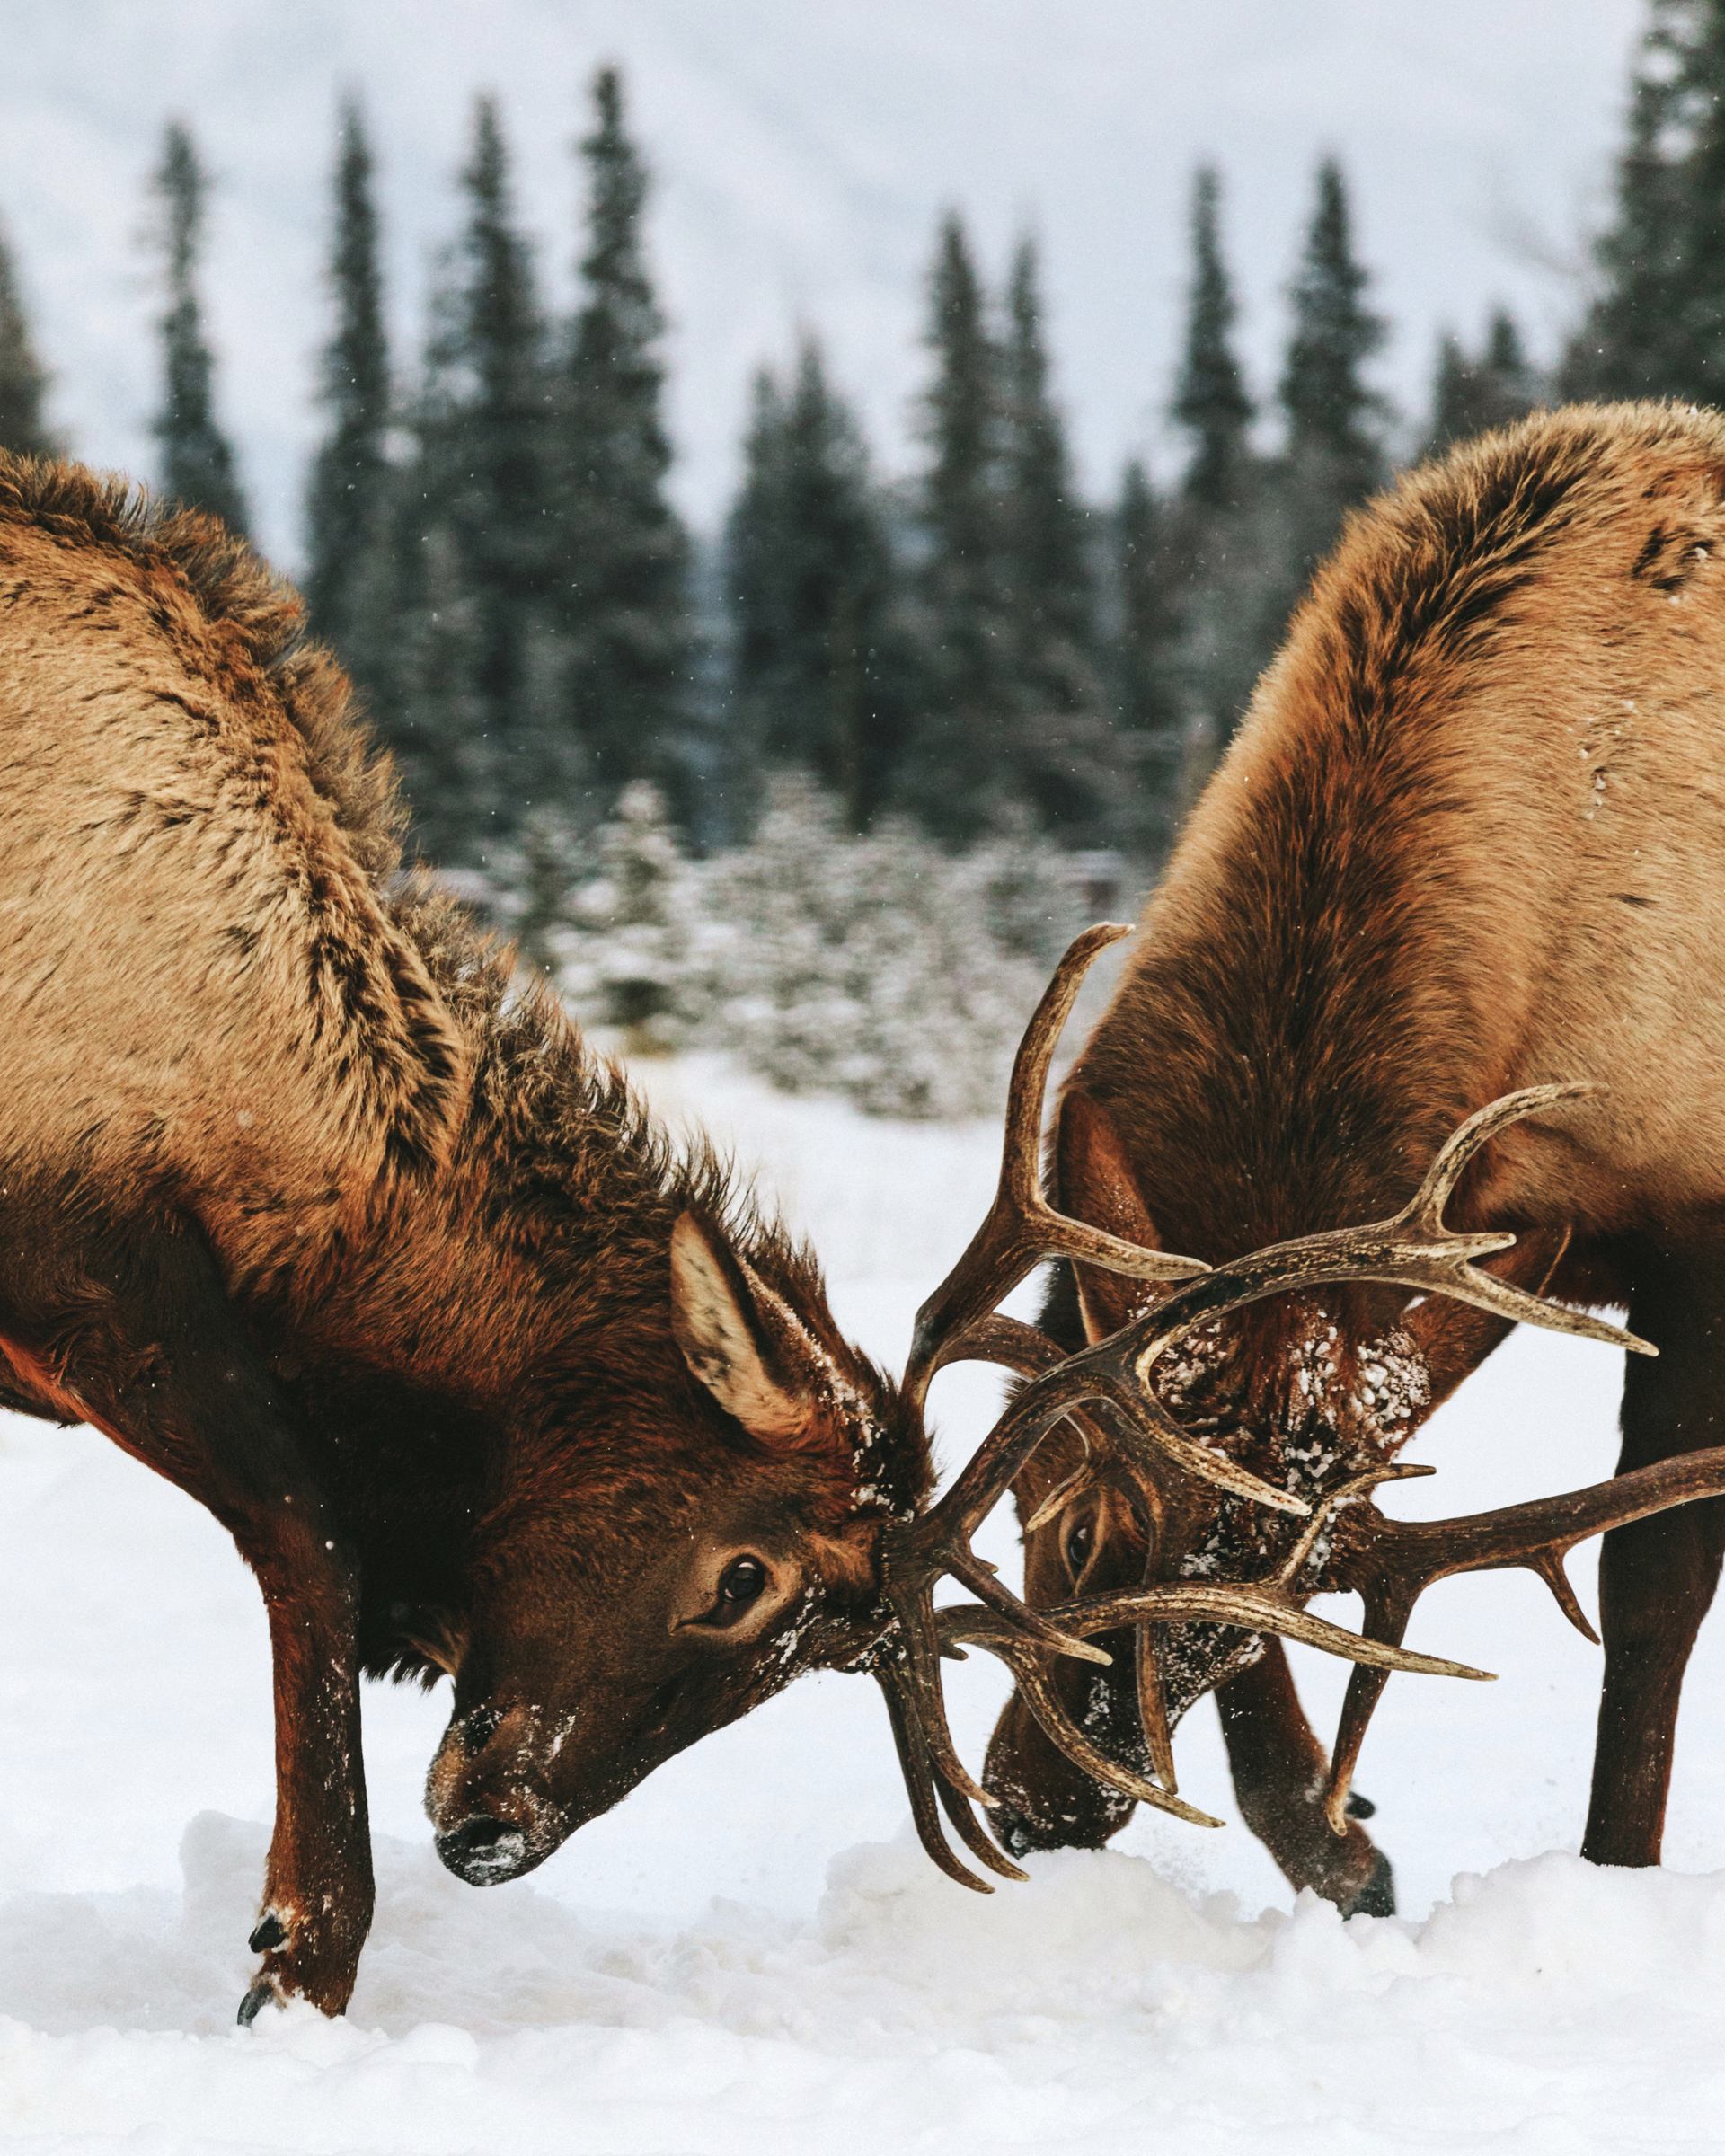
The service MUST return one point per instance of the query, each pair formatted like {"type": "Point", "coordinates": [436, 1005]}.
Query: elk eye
{"type": "Point", "coordinates": [742, 1582]}
{"type": "Point", "coordinates": [1079, 1538]}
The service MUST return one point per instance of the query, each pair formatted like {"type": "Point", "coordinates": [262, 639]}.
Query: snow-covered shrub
{"type": "Point", "coordinates": [862, 966]}
{"type": "Point", "coordinates": [623, 945]}
{"type": "Point", "coordinates": [1028, 887]}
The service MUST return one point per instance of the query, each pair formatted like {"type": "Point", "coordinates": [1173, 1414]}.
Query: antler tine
{"type": "Point", "coordinates": [1257, 1607]}
{"type": "Point", "coordinates": [1020, 1228]}
{"type": "Point", "coordinates": [1423, 1216]}
{"type": "Point", "coordinates": [1391, 1563]}
{"type": "Point", "coordinates": [1425, 1209]}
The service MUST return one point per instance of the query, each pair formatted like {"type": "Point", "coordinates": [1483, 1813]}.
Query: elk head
{"type": "Point", "coordinates": [1146, 1491]}
{"type": "Point", "coordinates": [633, 1593]}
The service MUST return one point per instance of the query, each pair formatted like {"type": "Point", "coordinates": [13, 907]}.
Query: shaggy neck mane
{"type": "Point", "coordinates": [1303, 1027]}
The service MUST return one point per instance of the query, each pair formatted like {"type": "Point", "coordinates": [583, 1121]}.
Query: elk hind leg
{"type": "Point", "coordinates": [1656, 1576]}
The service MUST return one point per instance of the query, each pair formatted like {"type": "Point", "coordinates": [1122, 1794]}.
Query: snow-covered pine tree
{"type": "Point", "coordinates": [544, 878]}
{"type": "Point", "coordinates": [1656, 325]}
{"type": "Point", "coordinates": [1474, 393]}
{"type": "Point", "coordinates": [24, 380]}
{"type": "Point", "coordinates": [1211, 404]}
{"type": "Point", "coordinates": [496, 447]}
{"type": "Point", "coordinates": [954, 776]}
{"type": "Point", "coordinates": [1335, 452]}
{"type": "Point", "coordinates": [623, 610]}
{"type": "Point", "coordinates": [863, 965]}
{"type": "Point", "coordinates": [818, 663]}
{"type": "Point", "coordinates": [1222, 537]}
{"type": "Point", "coordinates": [197, 462]}
{"type": "Point", "coordinates": [1150, 660]}
{"type": "Point", "coordinates": [625, 952]}
{"type": "Point", "coordinates": [1065, 763]}
{"type": "Point", "coordinates": [347, 497]}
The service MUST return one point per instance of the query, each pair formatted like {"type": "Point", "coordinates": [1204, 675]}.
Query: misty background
{"type": "Point", "coordinates": [801, 157]}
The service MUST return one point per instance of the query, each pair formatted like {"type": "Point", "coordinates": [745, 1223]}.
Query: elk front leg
{"type": "Point", "coordinates": [1281, 1772]}
{"type": "Point", "coordinates": [137, 1334]}
{"type": "Point", "coordinates": [1656, 1577]}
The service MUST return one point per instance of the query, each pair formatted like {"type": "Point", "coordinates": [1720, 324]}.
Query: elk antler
{"type": "Point", "coordinates": [1020, 1231]}
{"type": "Point", "coordinates": [1391, 1563]}
{"type": "Point", "coordinates": [1106, 1390]}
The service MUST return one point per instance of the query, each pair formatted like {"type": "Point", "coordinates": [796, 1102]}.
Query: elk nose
{"type": "Point", "coordinates": [483, 1851]}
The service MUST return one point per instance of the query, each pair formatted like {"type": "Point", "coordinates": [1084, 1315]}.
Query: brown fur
{"type": "Point", "coordinates": [1470, 837]}
{"type": "Point", "coordinates": [322, 1214]}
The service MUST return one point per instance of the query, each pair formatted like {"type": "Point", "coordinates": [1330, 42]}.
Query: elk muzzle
{"type": "Point", "coordinates": [489, 1794]}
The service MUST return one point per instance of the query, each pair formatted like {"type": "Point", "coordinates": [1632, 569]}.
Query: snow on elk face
{"type": "Point", "coordinates": [1305, 1392]}
{"type": "Point", "coordinates": [631, 1597]}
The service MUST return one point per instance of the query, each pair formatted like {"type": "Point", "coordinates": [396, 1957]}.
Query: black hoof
{"type": "Point", "coordinates": [270, 1932]}
{"type": "Point", "coordinates": [1377, 1897]}
{"type": "Point", "coordinates": [261, 1994]}
{"type": "Point", "coordinates": [1360, 1807]}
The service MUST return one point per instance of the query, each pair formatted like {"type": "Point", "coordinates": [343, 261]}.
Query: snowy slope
{"type": "Point", "coordinates": [751, 1954]}
{"type": "Point", "coordinates": [804, 152]}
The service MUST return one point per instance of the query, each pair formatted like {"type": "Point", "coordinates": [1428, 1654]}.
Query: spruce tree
{"type": "Point", "coordinates": [1211, 405]}
{"type": "Point", "coordinates": [1061, 746]}
{"type": "Point", "coordinates": [24, 381]}
{"type": "Point", "coordinates": [498, 437]}
{"type": "Point", "coordinates": [467, 708]}
{"type": "Point", "coordinates": [1334, 418]}
{"type": "Point", "coordinates": [955, 777]}
{"type": "Point", "coordinates": [1334, 453]}
{"type": "Point", "coordinates": [624, 602]}
{"type": "Point", "coordinates": [347, 504]}
{"type": "Point", "coordinates": [1208, 567]}
{"type": "Point", "coordinates": [818, 672]}
{"type": "Point", "coordinates": [1473, 393]}
{"type": "Point", "coordinates": [197, 463]}
{"type": "Point", "coordinates": [1656, 323]}
{"type": "Point", "coordinates": [1150, 659]}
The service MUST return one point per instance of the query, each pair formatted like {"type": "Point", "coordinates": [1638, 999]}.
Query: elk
{"type": "Point", "coordinates": [310, 1206]}
{"type": "Point", "coordinates": [1466, 843]}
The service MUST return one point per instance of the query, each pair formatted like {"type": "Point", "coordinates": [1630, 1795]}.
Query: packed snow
{"type": "Point", "coordinates": [752, 1954]}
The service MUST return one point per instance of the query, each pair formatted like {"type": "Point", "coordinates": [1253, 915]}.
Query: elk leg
{"type": "Point", "coordinates": [1656, 1576]}
{"type": "Point", "coordinates": [1281, 1772]}
{"type": "Point", "coordinates": [140, 1339]}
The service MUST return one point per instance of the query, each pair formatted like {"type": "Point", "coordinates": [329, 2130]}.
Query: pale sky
{"type": "Point", "coordinates": [804, 149]}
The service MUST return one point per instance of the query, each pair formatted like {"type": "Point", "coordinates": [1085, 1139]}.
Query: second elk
{"type": "Point", "coordinates": [1456, 857]}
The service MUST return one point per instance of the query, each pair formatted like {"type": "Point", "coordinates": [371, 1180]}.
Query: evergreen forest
{"type": "Point", "coordinates": [954, 678]}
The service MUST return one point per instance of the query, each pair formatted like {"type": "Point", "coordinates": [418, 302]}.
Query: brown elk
{"type": "Point", "coordinates": [313, 1209]}
{"type": "Point", "coordinates": [1469, 839]}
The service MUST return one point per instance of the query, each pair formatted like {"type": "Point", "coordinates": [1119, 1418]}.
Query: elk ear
{"type": "Point", "coordinates": [736, 1336]}
{"type": "Point", "coordinates": [1094, 1182]}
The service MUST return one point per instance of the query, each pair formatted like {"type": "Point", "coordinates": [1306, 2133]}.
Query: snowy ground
{"type": "Point", "coordinates": [751, 1954]}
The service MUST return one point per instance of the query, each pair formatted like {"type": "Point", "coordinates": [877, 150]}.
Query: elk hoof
{"type": "Point", "coordinates": [263, 1993]}
{"type": "Point", "coordinates": [1360, 1807]}
{"type": "Point", "coordinates": [1377, 1897]}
